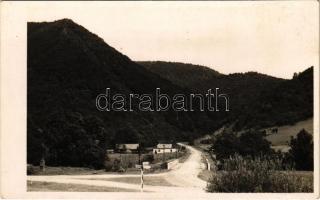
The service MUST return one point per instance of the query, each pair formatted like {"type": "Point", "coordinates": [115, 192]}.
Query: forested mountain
{"type": "Point", "coordinates": [256, 100]}
{"type": "Point", "coordinates": [185, 75]}
{"type": "Point", "coordinates": [67, 68]}
{"type": "Point", "coordinates": [287, 103]}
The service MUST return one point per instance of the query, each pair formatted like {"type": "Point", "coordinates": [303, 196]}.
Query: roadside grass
{"type": "Point", "coordinates": [240, 174]}
{"type": "Point", "coordinates": [152, 180]}
{"type": "Point", "coordinates": [185, 156]}
{"type": "Point", "coordinates": [280, 182]}
{"type": "Point", "coordinates": [39, 186]}
{"type": "Point", "coordinates": [205, 175]}
{"type": "Point", "coordinates": [294, 181]}
{"type": "Point", "coordinates": [65, 171]}
{"type": "Point", "coordinates": [76, 171]}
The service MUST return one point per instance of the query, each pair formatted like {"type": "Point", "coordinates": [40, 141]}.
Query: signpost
{"type": "Point", "coordinates": [164, 153]}
{"type": "Point", "coordinates": [141, 175]}
{"type": "Point", "coordinates": [141, 179]}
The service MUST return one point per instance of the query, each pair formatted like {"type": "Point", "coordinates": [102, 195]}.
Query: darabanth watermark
{"type": "Point", "coordinates": [210, 101]}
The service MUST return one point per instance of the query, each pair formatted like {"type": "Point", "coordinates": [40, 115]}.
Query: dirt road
{"type": "Point", "coordinates": [186, 174]}
{"type": "Point", "coordinates": [184, 177]}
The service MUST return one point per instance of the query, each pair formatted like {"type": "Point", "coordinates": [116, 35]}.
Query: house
{"type": "Point", "coordinates": [164, 148]}
{"type": "Point", "coordinates": [127, 148]}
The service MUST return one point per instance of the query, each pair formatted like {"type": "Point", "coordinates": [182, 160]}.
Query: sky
{"type": "Point", "coordinates": [277, 38]}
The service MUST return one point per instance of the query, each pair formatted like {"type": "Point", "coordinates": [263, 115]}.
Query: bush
{"type": "Point", "coordinates": [116, 165]}
{"type": "Point", "coordinates": [291, 182]}
{"type": "Point", "coordinates": [108, 166]}
{"type": "Point", "coordinates": [302, 150]}
{"type": "Point", "coordinates": [256, 175]}
{"type": "Point", "coordinates": [225, 145]}
{"type": "Point", "coordinates": [148, 158]}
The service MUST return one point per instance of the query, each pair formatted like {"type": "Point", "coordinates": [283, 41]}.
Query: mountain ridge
{"type": "Point", "coordinates": [249, 92]}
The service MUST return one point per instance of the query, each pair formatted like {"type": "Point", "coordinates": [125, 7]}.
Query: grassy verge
{"type": "Point", "coordinates": [65, 171]}
{"type": "Point", "coordinates": [39, 186]}
{"type": "Point", "coordinates": [153, 181]}
{"type": "Point", "coordinates": [205, 175]}
{"type": "Point", "coordinates": [185, 156]}
{"type": "Point", "coordinates": [76, 171]}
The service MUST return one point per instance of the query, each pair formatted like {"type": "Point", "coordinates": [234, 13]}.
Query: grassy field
{"type": "Point", "coordinates": [285, 132]}
{"type": "Point", "coordinates": [76, 171]}
{"type": "Point", "coordinates": [65, 171]}
{"type": "Point", "coordinates": [37, 186]}
{"type": "Point", "coordinates": [280, 140]}
{"type": "Point", "coordinates": [154, 180]}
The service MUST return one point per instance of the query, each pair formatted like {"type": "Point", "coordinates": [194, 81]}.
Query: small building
{"type": "Point", "coordinates": [164, 148]}
{"type": "Point", "coordinates": [127, 148]}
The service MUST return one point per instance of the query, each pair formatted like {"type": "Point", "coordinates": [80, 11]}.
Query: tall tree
{"type": "Point", "coordinates": [302, 150]}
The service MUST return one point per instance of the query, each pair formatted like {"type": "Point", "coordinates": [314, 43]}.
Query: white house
{"type": "Point", "coordinates": [164, 148]}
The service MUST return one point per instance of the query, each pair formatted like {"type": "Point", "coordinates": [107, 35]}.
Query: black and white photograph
{"type": "Point", "coordinates": [185, 98]}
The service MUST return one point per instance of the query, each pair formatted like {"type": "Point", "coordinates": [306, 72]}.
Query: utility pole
{"type": "Point", "coordinates": [164, 156]}
{"type": "Point", "coordinates": [139, 154]}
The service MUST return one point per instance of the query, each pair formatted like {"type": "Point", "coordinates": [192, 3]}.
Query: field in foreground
{"type": "Point", "coordinates": [245, 174]}
{"type": "Point", "coordinates": [36, 186]}
{"type": "Point", "coordinates": [154, 180]}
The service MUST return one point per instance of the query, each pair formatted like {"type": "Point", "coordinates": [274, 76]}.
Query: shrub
{"type": "Point", "coordinates": [256, 175]}
{"type": "Point", "coordinates": [148, 158]}
{"type": "Point", "coordinates": [291, 182]}
{"type": "Point", "coordinates": [225, 145]}
{"type": "Point", "coordinates": [302, 150]}
{"type": "Point", "coordinates": [108, 166]}
{"type": "Point", "coordinates": [116, 165]}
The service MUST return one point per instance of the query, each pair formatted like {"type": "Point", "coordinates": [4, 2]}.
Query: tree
{"type": "Point", "coordinates": [127, 134]}
{"type": "Point", "coordinates": [302, 150]}
{"type": "Point", "coordinates": [250, 143]}
{"type": "Point", "coordinates": [225, 145]}
{"type": "Point", "coordinates": [254, 144]}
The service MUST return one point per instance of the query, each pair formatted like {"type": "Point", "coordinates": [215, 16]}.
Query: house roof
{"type": "Point", "coordinates": [128, 146]}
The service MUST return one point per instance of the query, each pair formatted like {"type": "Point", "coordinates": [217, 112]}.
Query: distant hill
{"type": "Point", "coordinates": [184, 75]}
{"type": "Point", "coordinates": [256, 100]}
{"type": "Point", "coordinates": [287, 103]}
